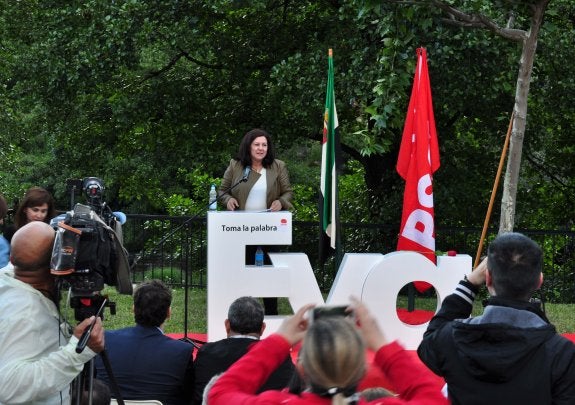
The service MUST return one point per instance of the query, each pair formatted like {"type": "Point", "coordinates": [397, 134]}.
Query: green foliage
{"type": "Point", "coordinates": [548, 175]}
{"type": "Point", "coordinates": [353, 194]}
{"type": "Point", "coordinates": [198, 183]}
{"type": "Point", "coordinates": [306, 200]}
{"type": "Point", "coordinates": [153, 97]}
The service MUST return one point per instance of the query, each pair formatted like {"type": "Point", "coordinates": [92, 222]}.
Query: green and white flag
{"type": "Point", "coordinates": [328, 204]}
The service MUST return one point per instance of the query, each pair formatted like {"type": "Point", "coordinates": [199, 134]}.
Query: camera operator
{"type": "Point", "coordinates": [38, 360]}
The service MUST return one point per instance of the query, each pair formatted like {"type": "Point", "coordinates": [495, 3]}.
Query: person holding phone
{"type": "Point", "coordinates": [510, 353]}
{"type": "Point", "coordinates": [331, 364]}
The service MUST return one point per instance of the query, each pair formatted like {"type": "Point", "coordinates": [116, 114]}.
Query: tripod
{"type": "Point", "coordinates": [79, 386]}
{"type": "Point", "coordinates": [83, 385]}
{"type": "Point", "coordinates": [195, 342]}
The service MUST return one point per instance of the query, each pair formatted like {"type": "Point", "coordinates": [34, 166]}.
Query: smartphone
{"type": "Point", "coordinates": [329, 311]}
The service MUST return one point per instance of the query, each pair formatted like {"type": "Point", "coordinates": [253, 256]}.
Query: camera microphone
{"type": "Point", "coordinates": [120, 216]}
{"type": "Point", "coordinates": [246, 174]}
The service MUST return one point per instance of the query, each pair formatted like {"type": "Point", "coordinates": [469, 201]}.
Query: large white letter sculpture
{"type": "Point", "coordinates": [374, 278]}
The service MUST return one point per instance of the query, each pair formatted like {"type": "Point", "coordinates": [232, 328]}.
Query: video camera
{"type": "Point", "coordinates": [88, 252]}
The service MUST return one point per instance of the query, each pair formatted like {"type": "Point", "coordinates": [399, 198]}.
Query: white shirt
{"type": "Point", "coordinates": [37, 362]}
{"type": "Point", "coordinates": [9, 268]}
{"type": "Point", "coordinates": [256, 200]}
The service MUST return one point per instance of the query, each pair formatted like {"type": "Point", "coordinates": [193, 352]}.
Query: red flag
{"type": "Point", "coordinates": [417, 161]}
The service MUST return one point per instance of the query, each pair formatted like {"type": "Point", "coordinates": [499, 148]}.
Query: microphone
{"type": "Point", "coordinates": [120, 216]}
{"type": "Point", "coordinates": [246, 174]}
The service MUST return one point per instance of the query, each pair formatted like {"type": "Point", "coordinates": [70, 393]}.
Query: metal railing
{"type": "Point", "coordinates": [173, 248]}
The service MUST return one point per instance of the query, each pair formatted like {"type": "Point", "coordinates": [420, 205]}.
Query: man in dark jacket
{"type": "Point", "coordinates": [511, 354]}
{"type": "Point", "coordinates": [145, 363]}
{"type": "Point", "coordinates": [244, 327]}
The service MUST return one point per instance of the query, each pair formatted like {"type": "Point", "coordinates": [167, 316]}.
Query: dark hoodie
{"type": "Point", "coordinates": [509, 355]}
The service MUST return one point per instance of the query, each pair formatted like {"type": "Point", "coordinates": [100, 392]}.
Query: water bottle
{"type": "Point", "coordinates": [259, 256]}
{"type": "Point", "coordinates": [213, 198]}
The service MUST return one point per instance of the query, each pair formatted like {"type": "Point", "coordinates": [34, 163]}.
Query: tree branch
{"type": "Point", "coordinates": [168, 66]}
{"type": "Point", "coordinates": [548, 173]}
{"type": "Point", "coordinates": [199, 62]}
{"type": "Point", "coordinates": [463, 19]}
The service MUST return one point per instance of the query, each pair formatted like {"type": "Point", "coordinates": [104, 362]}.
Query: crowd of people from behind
{"type": "Point", "coordinates": [244, 326]}
{"type": "Point", "coordinates": [510, 354]}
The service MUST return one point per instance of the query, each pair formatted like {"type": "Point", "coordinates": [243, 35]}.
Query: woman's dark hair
{"type": "Point", "coordinates": [34, 197]}
{"type": "Point", "coordinates": [244, 152]}
{"type": "Point", "coordinates": [3, 207]}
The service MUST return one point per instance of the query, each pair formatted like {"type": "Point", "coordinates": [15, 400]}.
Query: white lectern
{"type": "Point", "coordinates": [229, 232]}
{"type": "Point", "coordinates": [374, 278]}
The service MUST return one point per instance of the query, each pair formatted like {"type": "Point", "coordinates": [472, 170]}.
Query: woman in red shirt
{"type": "Point", "coordinates": [331, 364]}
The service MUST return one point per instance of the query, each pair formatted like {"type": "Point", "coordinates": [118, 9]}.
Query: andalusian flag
{"type": "Point", "coordinates": [328, 205]}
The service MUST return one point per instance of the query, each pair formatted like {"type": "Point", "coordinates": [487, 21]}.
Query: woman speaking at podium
{"type": "Point", "coordinates": [256, 181]}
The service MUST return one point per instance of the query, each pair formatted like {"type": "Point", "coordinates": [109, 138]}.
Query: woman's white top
{"type": "Point", "coordinates": [256, 200]}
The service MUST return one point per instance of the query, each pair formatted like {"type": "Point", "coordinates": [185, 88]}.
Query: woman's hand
{"type": "Point", "coordinates": [293, 328]}
{"type": "Point", "coordinates": [276, 205]}
{"type": "Point", "coordinates": [367, 325]}
{"type": "Point", "coordinates": [232, 204]}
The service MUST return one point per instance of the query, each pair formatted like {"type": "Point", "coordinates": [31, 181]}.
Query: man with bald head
{"type": "Point", "coordinates": [38, 358]}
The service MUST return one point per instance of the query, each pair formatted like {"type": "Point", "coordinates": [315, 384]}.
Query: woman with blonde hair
{"type": "Point", "coordinates": [332, 361]}
{"type": "Point", "coordinates": [331, 364]}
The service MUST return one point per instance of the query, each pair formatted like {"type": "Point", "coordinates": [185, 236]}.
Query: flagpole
{"type": "Point", "coordinates": [338, 253]}
{"type": "Point", "coordinates": [494, 191]}
{"type": "Point", "coordinates": [329, 241]}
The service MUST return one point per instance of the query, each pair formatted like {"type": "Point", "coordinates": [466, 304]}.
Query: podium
{"type": "Point", "coordinates": [229, 232]}
{"type": "Point", "coordinates": [374, 278]}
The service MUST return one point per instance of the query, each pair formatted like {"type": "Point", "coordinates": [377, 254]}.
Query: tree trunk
{"type": "Point", "coordinates": [509, 198]}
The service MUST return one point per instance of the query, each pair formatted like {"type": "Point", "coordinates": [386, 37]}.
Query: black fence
{"type": "Point", "coordinates": [174, 249]}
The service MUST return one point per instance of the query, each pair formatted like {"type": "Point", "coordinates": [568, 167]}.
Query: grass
{"type": "Point", "coordinates": [561, 315]}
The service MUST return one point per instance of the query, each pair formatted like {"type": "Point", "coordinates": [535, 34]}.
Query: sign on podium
{"type": "Point", "coordinates": [374, 278]}
{"type": "Point", "coordinates": [229, 232]}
